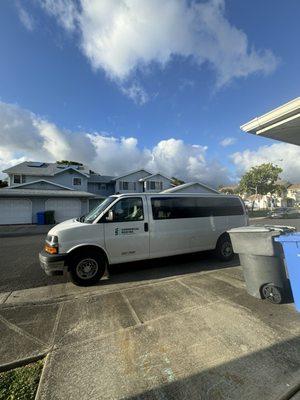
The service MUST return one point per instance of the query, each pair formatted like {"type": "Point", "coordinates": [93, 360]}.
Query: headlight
{"type": "Point", "coordinates": [51, 244]}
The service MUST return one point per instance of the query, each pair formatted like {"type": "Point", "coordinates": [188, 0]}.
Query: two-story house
{"type": "Point", "coordinates": [41, 175]}
{"type": "Point", "coordinates": [293, 195]}
{"type": "Point", "coordinates": [142, 181]}
{"type": "Point", "coordinates": [41, 186]}
{"type": "Point", "coordinates": [69, 190]}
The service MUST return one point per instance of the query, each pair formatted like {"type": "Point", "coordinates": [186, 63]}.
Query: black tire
{"type": "Point", "coordinates": [87, 268]}
{"type": "Point", "coordinates": [224, 250]}
{"type": "Point", "coordinates": [272, 293]}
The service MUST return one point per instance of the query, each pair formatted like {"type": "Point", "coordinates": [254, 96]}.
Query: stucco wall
{"type": "Point", "coordinates": [64, 178]}
{"type": "Point", "coordinates": [93, 187]}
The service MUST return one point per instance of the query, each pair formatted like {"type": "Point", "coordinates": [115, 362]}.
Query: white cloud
{"type": "Point", "coordinates": [228, 141]}
{"type": "Point", "coordinates": [287, 156]}
{"type": "Point", "coordinates": [26, 18]}
{"type": "Point", "coordinates": [64, 10]}
{"type": "Point", "coordinates": [136, 93]}
{"type": "Point", "coordinates": [123, 36]}
{"type": "Point", "coordinates": [25, 136]}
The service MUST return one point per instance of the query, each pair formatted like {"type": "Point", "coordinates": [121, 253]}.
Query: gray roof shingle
{"type": "Point", "coordinates": [45, 169]}
{"type": "Point", "coordinates": [100, 178]}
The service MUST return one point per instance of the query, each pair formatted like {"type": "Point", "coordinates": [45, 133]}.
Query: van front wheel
{"type": "Point", "coordinates": [224, 250]}
{"type": "Point", "coordinates": [87, 269]}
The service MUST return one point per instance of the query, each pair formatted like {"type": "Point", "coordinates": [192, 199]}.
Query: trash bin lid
{"type": "Point", "coordinates": [292, 237]}
{"type": "Point", "coordinates": [275, 229]}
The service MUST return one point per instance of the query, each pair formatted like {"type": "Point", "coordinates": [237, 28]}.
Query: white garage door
{"type": "Point", "coordinates": [15, 211]}
{"type": "Point", "coordinates": [64, 208]}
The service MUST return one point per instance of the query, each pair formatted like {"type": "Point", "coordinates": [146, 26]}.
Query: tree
{"type": "Point", "coordinates": [260, 180]}
{"type": "Point", "coordinates": [228, 189]}
{"type": "Point", "coordinates": [176, 181]}
{"type": "Point", "coordinates": [67, 162]}
{"type": "Point", "coordinates": [3, 184]}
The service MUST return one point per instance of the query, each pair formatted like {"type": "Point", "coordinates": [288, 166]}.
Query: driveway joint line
{"type": "Point", "coordinates": [5, 298]}
{"type": "Point", "coordinates": [132, 310]}
{"type": "Point", "coordinates": [58, 346]}
{"type": "Point", "coordinates": [57, 320]}
{"type": "Point", "coordinates": [192, 289]}
{"type": "Point", "coordinates": [16, 329]}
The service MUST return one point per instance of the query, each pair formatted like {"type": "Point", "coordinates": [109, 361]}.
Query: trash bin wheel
{"type": "Point", "coordinates": [272, 293]}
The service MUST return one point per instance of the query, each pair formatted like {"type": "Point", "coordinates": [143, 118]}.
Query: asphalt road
{"type": "Point", "coordinates": [20, 269]}
{"type": "Point", "coordinates": [273, 221]}
{"type": "Point", "coordinates": [19, 265]}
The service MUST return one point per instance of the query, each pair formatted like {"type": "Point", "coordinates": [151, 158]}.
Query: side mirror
{"type": "Point", "coordinates": [110, 216]}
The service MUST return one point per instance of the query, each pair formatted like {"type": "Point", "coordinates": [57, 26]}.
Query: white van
{"type": "Point", "coordinates": [130, 227]}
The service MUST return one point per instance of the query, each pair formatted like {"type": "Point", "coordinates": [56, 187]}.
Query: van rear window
{"type": "Point", "coordinates": [194, 207]}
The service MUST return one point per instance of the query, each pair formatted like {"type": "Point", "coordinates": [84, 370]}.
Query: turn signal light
{"type": "Point", "coordinates": [50, 249]}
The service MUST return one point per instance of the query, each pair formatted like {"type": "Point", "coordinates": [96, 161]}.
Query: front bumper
{"type": "Point", "coordinates": [53, 264]}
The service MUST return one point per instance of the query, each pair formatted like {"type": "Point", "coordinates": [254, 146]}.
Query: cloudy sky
{"type": "Point", "coordinates": [164, 85]}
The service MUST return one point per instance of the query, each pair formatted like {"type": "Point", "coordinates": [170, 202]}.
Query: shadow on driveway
{"type": "Point", "coordinates": [160, 268]}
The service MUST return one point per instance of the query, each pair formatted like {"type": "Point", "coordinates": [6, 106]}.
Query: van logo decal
{"type": "Point", "coordinates": [125, 231]}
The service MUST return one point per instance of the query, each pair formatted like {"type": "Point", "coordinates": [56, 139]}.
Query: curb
{"type": "Point", "coordinates": [23, 361]}
{"type": "Point", "coordinates": [290, 393]}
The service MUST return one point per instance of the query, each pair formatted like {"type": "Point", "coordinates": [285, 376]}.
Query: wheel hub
{"type": "Point", "coordinates": [87, 268]}
{"type": "Point", "coordinates": [226, 249]}
{"type": "Point", "coordinates": [272, 293]}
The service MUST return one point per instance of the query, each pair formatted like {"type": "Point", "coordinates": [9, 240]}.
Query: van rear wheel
{"type": "Point", "coordinates": [224, 250]}
{"type": "Point", "coordinates": [87, 269]}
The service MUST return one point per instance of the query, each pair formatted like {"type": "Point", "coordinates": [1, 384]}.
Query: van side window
{"type": "Point", "coordinates": [194, 207]}
{"type": "Point", "coordinates": [129, 209]}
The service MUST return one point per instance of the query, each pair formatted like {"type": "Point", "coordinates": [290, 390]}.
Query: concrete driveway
{"type": "Point", "coordinates": [195, 335]}
{"type": "Point", "coordinates": [178, 328]}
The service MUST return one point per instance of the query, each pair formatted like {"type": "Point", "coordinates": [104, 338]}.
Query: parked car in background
{"type": "Point", "coordinates": [284, 212]}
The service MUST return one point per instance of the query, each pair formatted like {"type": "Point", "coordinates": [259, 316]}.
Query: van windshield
{"type": "Point", "coordinates": [93, 214]}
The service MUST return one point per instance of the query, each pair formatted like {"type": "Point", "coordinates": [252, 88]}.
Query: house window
{"type": "Point", "coordinates": [17, 179]}
{"type": "Point", "coordinates": [124, 185]}
{"type": "Point", "coordinates": [152, 185]}
{"type": "Point", "coordinates": [101, 186]}
{"type": "Point", "coordinates": [77, 181]}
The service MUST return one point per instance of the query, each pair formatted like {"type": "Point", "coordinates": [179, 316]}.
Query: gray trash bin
{"type": "Point", "coordinates": [262, 260]}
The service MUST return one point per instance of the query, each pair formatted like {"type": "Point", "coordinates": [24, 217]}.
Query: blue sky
{"type": "Point", "coordinates": [191, 71]}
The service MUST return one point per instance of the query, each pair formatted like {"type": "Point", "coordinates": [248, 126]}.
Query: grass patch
{"type": "Point", "coordinates": [21, 383]}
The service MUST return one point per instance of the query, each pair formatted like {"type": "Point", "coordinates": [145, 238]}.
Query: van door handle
{"type": "Point", "coordinates": [146, 227]}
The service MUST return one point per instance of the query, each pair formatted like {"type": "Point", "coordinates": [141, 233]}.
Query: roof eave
{"type": "Point", "coordinates": [278, 114]}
